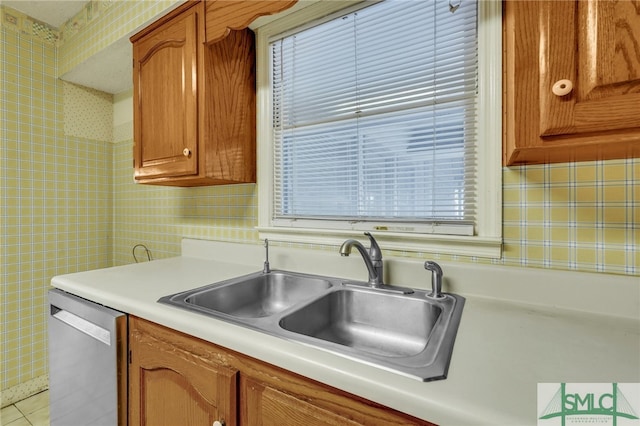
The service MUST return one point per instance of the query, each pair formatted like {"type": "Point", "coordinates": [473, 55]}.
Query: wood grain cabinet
{"type": "Point", "coordinates": [571, 80]}
{"type": "Point", "coordinates": [194, 94]}
{"type": "Point", "coordinates": [178, 379]}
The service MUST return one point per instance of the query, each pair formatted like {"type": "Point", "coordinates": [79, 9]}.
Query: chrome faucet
{"type": "Point", "coordinates": [372, 258]}
{"type": "Point", "coordinates": [436, 279]}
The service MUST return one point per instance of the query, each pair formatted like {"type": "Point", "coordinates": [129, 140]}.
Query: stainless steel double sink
{"type": "Point", "coordinates": [407, 332]}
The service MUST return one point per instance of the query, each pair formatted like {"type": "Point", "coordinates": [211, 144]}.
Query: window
{"type": "Point", "coordinates": [373, 124]}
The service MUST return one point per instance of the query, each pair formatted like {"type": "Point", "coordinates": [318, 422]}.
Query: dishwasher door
{"type": "Point", "coordinates": [87, 362]}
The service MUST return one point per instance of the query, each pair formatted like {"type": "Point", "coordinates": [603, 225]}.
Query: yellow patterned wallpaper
{"type": "Point", "coordinates": [576, 216]}
{"type": "Point", "coordinates": [55, 200]}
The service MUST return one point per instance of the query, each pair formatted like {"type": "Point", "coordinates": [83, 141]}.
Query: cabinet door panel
{"type": "Point", "coordinates": [170, 384]}
{"type": "Point", "coordinates": [269, 406]}
{"type": "Point", "coordinates": [609, 38]}
{"type": "Point", "coordinates": [165, 96]}
{"type": "Point", "coordinates": [169, 399]}
{"type": "Point", "coordinates": [594, 44]}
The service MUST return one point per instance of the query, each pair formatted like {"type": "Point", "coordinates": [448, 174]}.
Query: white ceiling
{"type": "Point", "coordinates": [52, 12]}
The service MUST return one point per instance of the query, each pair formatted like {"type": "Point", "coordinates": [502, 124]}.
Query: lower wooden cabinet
{"type": "Point", "coordinates": [175, 379]}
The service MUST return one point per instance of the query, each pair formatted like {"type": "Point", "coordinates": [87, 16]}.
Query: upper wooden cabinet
{"type": "Point", "coordinates": [571, 81]}
{"type": "Point", "coordinates": [166, 98]}
{"type": "Point", "coordinates": [194, 94]}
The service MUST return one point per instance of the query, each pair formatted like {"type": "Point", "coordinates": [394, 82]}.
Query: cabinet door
{"type": "Point", "coordinates": [171, 381]}
{"type": "Point", "coordinates": [594, 44]}
{"type": "Point", "coordinates": [284, 399]}
{"type": "Point", "coordinates": [166, 98]}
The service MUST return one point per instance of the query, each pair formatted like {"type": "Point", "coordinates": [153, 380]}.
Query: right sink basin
{"type": "Point", "coordinates": [411, 334]}
{"type": "Point", "coordinates": [376, 323]}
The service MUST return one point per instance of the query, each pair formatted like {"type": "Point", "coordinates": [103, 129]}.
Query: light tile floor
{"type": "Point", "coordinates": [33, 411]}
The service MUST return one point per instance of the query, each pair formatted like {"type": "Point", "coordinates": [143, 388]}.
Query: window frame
{"type": "Point", "coordinates": [487, 241]}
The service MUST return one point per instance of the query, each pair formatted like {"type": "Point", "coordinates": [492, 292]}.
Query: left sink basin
{"type": "Point", "coordinates": [251, 296]}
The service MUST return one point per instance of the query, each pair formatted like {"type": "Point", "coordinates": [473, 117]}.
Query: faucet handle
{"type": "Point", "coordinates": [374, 249]}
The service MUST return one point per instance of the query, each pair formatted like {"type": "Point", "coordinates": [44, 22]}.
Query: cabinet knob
{"type": "Point", "coordinates": [562, 87]}
{"type": "Point", "coordinates": [186, 152]}
{"type": "Point", "coordinates": [218, 423]}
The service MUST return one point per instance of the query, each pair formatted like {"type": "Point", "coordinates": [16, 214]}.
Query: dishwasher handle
{"type": "Point", "coordinates": [82, 325]}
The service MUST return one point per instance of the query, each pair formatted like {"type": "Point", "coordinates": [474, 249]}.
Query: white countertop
{"type": "Point", "coordinates": [508, 341]}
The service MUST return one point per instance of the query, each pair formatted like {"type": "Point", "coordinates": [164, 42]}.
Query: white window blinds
{"type": "Point", "coordinates": [374, 117]}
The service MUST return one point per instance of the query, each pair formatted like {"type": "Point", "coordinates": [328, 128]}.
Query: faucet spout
{"type": "Point", "coordinates": [266, 269]}
{"type": "Point", "coordinates": [436, 278]}
{"type": "Point", "coordinates": [372, 258]}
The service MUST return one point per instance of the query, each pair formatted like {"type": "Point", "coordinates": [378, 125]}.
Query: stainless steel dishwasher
{"type": "Point", "coordinates": [87, 362]}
